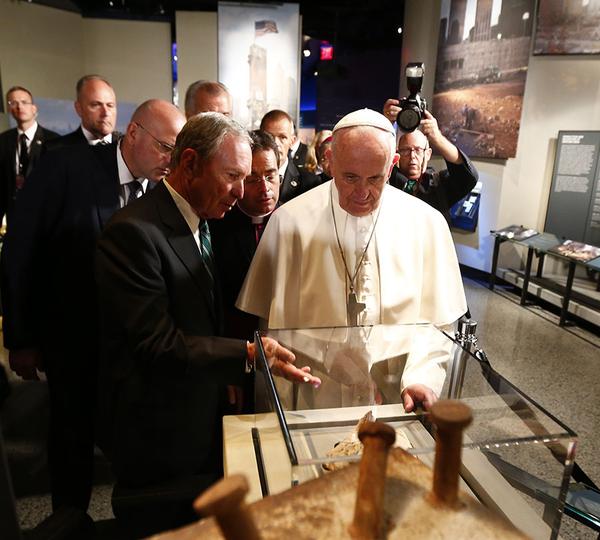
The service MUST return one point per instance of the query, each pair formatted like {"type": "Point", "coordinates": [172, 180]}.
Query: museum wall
{"type": "Point", "coordinates": [47, 50]}
{"type": "Point", "coordinates": [561, 93]}
{"type": "Point", "coordinates": [196, 48]}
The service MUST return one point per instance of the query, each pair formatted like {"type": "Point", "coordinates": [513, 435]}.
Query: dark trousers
{"type": "Point", "coordinates": [72, 390]}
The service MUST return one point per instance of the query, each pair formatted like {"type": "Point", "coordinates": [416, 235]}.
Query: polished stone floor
{"type": "Point", "coordinates": [557, 367]}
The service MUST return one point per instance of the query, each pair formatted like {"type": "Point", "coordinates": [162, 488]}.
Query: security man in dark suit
{"type": "Point", "coordinates": [49, 293]}
{"type": "Point", "coordinates": [163, 363]}
{"type": "Point", "coordinates": [294, 181]}
{"type": "Point", "coordinates": [20, 147]}
{"type": "Point", "coordinates": [96, 105]}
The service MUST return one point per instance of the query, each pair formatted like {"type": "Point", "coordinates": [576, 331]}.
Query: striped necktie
{"type": "Point", "coordinates": [206, 250]}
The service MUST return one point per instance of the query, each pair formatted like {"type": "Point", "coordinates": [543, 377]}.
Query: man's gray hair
{"type": "Point", "coordinates": [212, 88]}
{"type": "Point", "coordinates": [204, 133]}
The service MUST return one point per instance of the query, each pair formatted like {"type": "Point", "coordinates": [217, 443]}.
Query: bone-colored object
{"type": "Point", "coordinates": [450, 418]}
{"type": "Point", "coordinates": [225, 501]}
{"type": "Point", "coordinates": [377, 438]}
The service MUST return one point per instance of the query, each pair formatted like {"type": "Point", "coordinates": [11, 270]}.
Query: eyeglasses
{"type": "Point", "coordinates": [14, 102]}
{"type": "Point", "coordinates": [407, 151]}
{"type": "Point", "coordinates": [272, 178]}
{"type": "Point", "coordinates": [163, 147]}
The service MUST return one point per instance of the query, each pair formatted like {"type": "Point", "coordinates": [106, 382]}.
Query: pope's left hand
{"type": "Point", "coordinates": [418, 393]}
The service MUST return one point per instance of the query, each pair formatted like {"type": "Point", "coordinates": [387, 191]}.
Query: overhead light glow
{"type": "Point", "coordinates": [399, 29]}
{"type": "Point", "coordinates": [306, 53]}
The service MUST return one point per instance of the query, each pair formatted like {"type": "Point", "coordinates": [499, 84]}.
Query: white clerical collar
{"type": "Point", "coordinates": [185, 208]}
{"type": "Point", "coordinates": [29, 132]}
{"type": "Point", "coordinates": [93, 140]}
{"type": "Point", "coordinates": [255, 219]}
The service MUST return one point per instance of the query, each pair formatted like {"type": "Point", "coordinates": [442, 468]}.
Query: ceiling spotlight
{"type": "Point", "coordinates": [306, 53]}
{"type": "Point", "coordinates": [316, 73]}
{"type": "Point", "coordinates": [111, 3]}
{"type": "Point", "coordinates": [161, 9]}
{"type": "Point", "coordinates": [399, 29]}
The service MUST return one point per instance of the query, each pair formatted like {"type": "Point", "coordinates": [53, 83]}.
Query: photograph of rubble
{"type": "Point", "coordinates": [568, 27]}
{"type": "Point", "coordinates": [483, 54]}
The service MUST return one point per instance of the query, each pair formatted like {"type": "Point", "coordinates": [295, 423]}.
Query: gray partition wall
{"type": "Point", "coordinates": [574, 202]}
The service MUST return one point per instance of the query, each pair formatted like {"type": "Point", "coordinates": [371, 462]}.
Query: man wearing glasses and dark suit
{"type": "Point", "coordinates": [49, 291]}
{"type": "Point", "coordinates": [438, 189]}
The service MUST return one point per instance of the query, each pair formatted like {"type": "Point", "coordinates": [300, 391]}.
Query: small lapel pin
{"type": "Point", "coordinates": [293, 183]}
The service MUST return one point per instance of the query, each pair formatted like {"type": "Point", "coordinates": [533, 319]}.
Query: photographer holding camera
{"type": "Point", "coordinates": [438, 189]}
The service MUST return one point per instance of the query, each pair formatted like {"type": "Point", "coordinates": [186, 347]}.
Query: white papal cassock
{"type": "Point", "coordinates": [297, 278]}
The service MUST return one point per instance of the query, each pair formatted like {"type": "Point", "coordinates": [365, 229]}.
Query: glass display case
{"type": "Point", "coordinates": [516, 458]}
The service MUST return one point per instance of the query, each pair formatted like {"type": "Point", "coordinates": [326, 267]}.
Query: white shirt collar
{"type": "Point", "coordinates": [283, 167]}
{"type": "Point", "coordinates": [295, 147]}
{"type": "Point", "coordinates": [125, 175]}
{"type": "Point", "coordinates": [92, 139]}
{"type": "Point", "coordinates": [185, 208]}
{"type": "Point", "coordinates": [29, 132]}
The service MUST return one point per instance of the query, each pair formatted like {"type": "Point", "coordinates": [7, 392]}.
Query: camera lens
{"type": "Point", "coordinates": [409, 118]}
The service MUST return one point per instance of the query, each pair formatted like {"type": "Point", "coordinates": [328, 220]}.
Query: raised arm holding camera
{"type": "Point", "coordinates": [418, 136]}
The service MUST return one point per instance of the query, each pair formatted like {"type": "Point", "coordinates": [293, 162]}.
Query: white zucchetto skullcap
{"type": "Point", "coordinates": [365, 117]}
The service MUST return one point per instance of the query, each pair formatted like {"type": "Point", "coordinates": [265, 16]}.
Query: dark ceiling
{"type": "Point", "coordinates": [371, 23]}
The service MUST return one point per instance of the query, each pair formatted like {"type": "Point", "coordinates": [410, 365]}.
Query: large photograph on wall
{"type": "Point", "coordinates": [568, 27]}
{"type": "Point", "coordinates": [483, 54]}
{"type": "Point", "coordinates": [259, 52]}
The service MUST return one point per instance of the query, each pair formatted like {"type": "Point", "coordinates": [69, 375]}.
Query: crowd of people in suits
{"type": "Point", "coordinates": [101, 273]}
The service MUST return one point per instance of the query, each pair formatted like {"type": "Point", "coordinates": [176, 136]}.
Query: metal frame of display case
{"type": "Point", "coordinates": [466, 351]}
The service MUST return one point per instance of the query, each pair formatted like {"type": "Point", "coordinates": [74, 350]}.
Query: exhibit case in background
{"type": "Point", "coordinates": [516, 459]}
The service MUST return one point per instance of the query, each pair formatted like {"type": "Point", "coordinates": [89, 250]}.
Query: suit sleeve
{"type": "Point", "coordinates": [458, 180]}
{"type": "Point", "coordinates": [134, 309]}
{"type": "Point", "coordinates": [24, 255]}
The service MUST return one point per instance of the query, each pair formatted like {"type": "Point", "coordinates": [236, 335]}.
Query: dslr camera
{"type": "Point", "coordinates": [413, 106]}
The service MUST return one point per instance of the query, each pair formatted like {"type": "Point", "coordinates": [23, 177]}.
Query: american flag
{"type": "Point", "coordinates": [265, 27]}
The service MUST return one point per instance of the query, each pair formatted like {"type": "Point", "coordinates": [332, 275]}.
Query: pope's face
{"type": "Point", "coordinates": [361, 163]}
{"type": "Point", "coordinates": [217, 184]}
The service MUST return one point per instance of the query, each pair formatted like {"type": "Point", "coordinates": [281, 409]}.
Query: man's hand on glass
{"type": "Point", "coordinates": [418, 393]}
{"type": "Point", "coordinates": [281, 361]}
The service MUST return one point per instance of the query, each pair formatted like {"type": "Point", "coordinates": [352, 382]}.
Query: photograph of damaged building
{"type": "Point", "coordinates": [481, 71]}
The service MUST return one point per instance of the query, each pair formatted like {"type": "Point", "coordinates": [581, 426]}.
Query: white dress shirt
{"type": "Point", "coordinates": [93, 140]}
{"type": "Point", "coordinates": [125, 177]}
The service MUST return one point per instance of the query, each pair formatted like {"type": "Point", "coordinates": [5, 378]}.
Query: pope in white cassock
{"type": "Point", "coordinates": [356, 251]}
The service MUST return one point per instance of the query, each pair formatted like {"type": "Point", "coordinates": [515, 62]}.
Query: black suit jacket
{"type": "Point", "coordinates": [295, 182]}
{"type": "Point", "coordinates": [75, 138]}
{"type": "Point", "coordinates": [441, 189]}
{"type": "Point", "coordinates": [300, 155]}
{"type": "Point", "coordinates": [234, 245]}
{"type": "Point", "coordinates": [162, 367]}
{"type": "Point", "coordinates": [49, 295]}
{"type": "Point", "coordinates": [8, 150]}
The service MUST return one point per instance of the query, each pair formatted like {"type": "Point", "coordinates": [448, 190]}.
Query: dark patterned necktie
{"type": "Point", "coordinates": [23, 154]}
{"type": "Point", "coordinates": [134, 187]}
{"type": "Point", "coordinates": [206, 250]}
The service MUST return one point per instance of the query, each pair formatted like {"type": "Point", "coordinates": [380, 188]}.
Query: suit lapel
{"type": "Point", "coordinates": [35, 151]}
{"type": "Point", "coordinates": [182, 241]}
{"type": "Point", "coordinates": [105, 178]}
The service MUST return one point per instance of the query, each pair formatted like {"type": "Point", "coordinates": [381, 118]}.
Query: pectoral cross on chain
{"type": "Point", "coordinates": [354, 309]}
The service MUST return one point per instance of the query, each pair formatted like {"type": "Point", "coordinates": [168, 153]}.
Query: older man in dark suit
{"type": "Point", "coordinates": [20, 147]}
{"type": "Point", "coordinates": [162, 364]}
{"type": "Point", "coordinates": [49, 293]}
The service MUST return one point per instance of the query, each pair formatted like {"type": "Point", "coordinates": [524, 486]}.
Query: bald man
{"type": "Point", "coordinates": [49, 296]}
{"type": "Point", "coordinates": [207, 96]}
{"type": "Point", "coordinates": [438, 189]}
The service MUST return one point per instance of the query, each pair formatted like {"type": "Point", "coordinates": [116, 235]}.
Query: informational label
{"type": "Point", "coordinates": [574, 203]}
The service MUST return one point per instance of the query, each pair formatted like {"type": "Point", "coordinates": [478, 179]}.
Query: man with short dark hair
{"type": "Point", "coordinates": [294, 181]}
{"type": "Point", "coordinates": [49, 294]}
{"type": "Point", "coordinates": [20, 147]}
{"type": "Point", "coordinates": [163, 365]}
{"type": "Point", "coordinates": [238, 233]}
{"type": "Point", "coordinates": [96, 105]}
{"type": "Point", "coordinates": [207, 96]}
